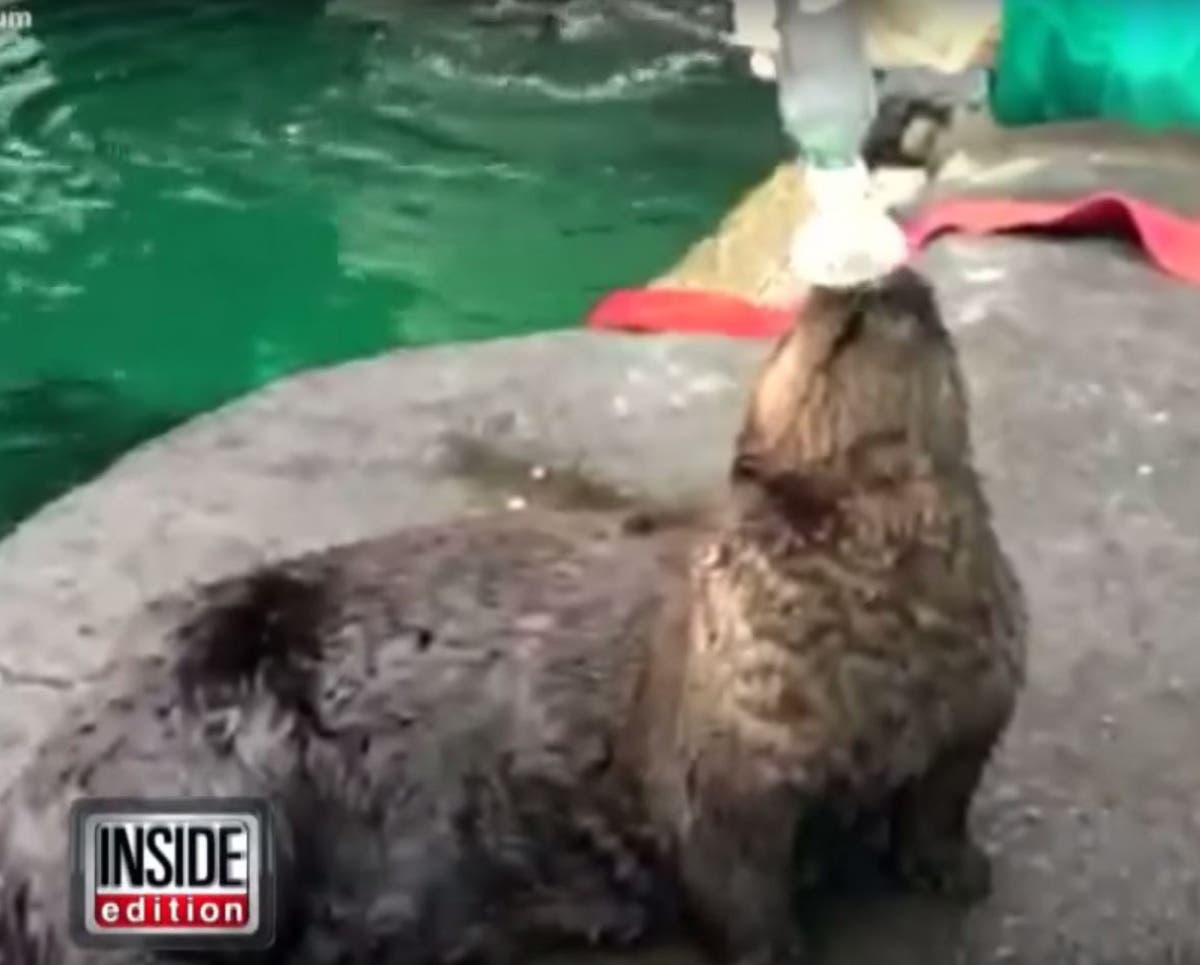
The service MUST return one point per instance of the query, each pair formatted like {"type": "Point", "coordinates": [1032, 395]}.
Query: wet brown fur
{"type": "Point", "coordinates": [513, 732]}
{"type": "Point", "coordinates": [856, 637]}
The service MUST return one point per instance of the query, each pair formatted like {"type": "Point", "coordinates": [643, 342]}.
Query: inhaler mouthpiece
{"type": "Point", "coordinates": [847, 238]}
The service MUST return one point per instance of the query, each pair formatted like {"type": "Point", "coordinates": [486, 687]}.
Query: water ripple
{"type": "Point", "coordinates": [663, 73]}
{"type": "Point", "coordinates": [198, 197]}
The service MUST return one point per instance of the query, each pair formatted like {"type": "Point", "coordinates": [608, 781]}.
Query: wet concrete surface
{"type": "Point", "coordinates": [1084, 366]}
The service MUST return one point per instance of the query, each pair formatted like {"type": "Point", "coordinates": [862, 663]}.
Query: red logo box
{"type": "Point", "coordinates": [172, 874]}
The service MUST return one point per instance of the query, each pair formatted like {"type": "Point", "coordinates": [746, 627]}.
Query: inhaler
{"type": "Point", "coordinates": [827, 101]}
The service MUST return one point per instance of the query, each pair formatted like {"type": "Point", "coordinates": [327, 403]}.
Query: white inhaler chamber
{"type": "Point", "coordinates": [847, 237]}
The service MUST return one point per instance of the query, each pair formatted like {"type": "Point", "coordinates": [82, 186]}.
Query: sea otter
{"type": "Point", "coordinates": [487, 738]}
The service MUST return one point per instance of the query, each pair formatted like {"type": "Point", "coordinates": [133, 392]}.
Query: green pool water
{"type": "Point", "coordinates": [199, 197]}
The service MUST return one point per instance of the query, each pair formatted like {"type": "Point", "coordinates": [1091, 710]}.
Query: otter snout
{"type": "Point", "coordinates": [900, 305]}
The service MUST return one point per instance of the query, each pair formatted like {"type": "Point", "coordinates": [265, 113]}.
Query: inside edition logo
{"type": "Point", "coordinates": [177, 874]}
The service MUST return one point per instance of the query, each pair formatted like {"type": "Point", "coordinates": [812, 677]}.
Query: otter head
{"type": "Point", "coordinates": [865, 385]}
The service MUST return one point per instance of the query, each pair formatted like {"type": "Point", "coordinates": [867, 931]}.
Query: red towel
{"type": "Point", "coordinates": [1169, 240]}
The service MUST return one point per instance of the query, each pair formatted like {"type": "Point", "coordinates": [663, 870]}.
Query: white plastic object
{"type": "Point", "coordinates": [848, 237]}
{"type": "Point", "coordinates": [763, 66]}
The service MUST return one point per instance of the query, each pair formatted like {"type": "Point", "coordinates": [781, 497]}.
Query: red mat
{"type": "Point", "coordinates": [1169, 240]}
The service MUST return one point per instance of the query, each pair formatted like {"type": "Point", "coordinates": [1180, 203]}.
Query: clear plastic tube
{"type": "Point", "coordinates": [826, 88]}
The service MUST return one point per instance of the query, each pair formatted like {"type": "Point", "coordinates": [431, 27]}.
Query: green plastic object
{"type": "Point", "coordinates": [1133, 61]}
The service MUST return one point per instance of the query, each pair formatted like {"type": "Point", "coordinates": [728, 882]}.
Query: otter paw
{"type": "Point", "coordinates": [962, 872]}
